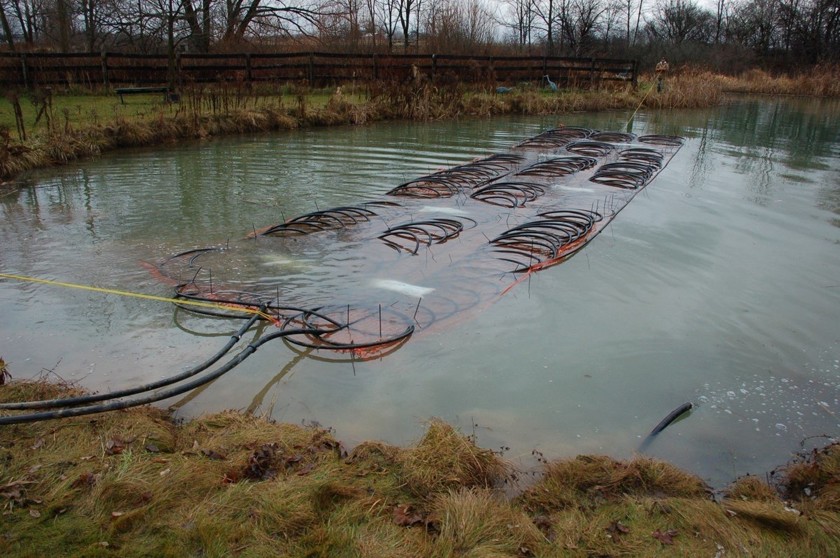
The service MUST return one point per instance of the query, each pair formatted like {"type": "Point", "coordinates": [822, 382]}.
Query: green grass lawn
{"type": "Point", "coordinates": [95, 109]}
{"type": "Point", "coordinates": [82, 110]}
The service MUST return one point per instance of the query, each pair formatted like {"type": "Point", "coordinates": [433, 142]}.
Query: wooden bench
{"type": "Point", "coordinates": [167, 94]}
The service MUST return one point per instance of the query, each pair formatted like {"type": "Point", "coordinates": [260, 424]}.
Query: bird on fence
{"type": "Point", "coordinates": [551, 84]}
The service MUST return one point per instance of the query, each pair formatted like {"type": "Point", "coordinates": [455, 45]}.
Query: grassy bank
{"type": "Point", "coordinates": [74, 126]}
{"type": "Point", "coordinates": [38, 130]}
{"type": "Point", "coordinates": [133, 483]}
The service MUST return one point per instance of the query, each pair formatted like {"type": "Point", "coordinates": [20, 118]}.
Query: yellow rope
{"type": "Point", "coordinates": [629, 120]}
{"type": "Point", "coordinates": [185, 302]}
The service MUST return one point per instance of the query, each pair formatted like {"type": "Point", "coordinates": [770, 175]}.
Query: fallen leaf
{"type": "Point", "coordinates": [404, 516]}
{"type": "Point", "coordinates": [114, 447]}
{"type": "Point", "coordinates": [213, 454]}
{"type": "Point", "coordinates": [38, 444]}
{"type": "Point", "coordinates": [85, 479]}
{"type": "Point", "coordinates": [33, 469]}
{"type": "Point", "coordinates": [151, 448]}
{"type": "Point", "coordinates": [306, 469]}
{"type": "Point", "coordinates": [616, 529]}
{"type": "Point", "coordinates": [160, 460]}
{"type": "Point", "coordinates": [117, 514]}
{"type": "Point", "coordinates": [35, 513]}
{"type": "Point", "coordinates": [14, 490]}
{"type": "Point", "coordinates": [293, 459]}
{"type": "Point", "coordinates": [164, 472]}
{"type": "Point", "coordinates": [231, 477]}
{"type": "Point", "coordinates": [665, 538]}
{"type": "Point", "coordinates": [261, 463]}
{"type": "Point", "coordinates": [87, 458]}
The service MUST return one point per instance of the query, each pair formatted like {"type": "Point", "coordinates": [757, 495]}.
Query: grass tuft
{"type": "Point", "coordinates": [445, 459]}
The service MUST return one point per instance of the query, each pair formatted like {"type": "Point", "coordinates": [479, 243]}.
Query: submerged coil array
{"type": "Point", "coordinates": [643, 155]}
{"type": "Point", "coordinates": [537, 243]}
{"type": "Point", "coordinates": [555, 138]}
{"type": "Point", "coordinates": [409, 237]}
{"type": "Point", "coordinates": [669, 141]}
{"type": "Point", "coordinates": [360, 305]}
{"type": "Point", "coordinates": [613, 137]}
{"type": "Point", "coordinates": [509, 193]}
{"type": "Point", "coordinates": [590, 148]}
{"type": "Point", "coordinates": [559, 166]}
{"type": "Point", "coordinates": [447, 183]}
{"type": "Point", "coordinates": [328, 219]}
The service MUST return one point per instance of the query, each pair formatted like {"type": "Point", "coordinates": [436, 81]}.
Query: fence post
{"type": "Point", "coordinates": [311, 69]}
{"type": "Point", "coordinates": [248, 67]}
{"type": "Point", "coordinates": [635, 70]}
{"type": "Point", "coordinates": [591, 72]}
{"type": "Point", "coordinates": [178, 73]}
{"type": "Point", "coordinates": [375, 68]}
{"type": "Point", "coordinates": [434, 66]}
{"type": "Point", "coordinates": [25, 70]}
{"type": "Point", "coordinates": [105, 81]}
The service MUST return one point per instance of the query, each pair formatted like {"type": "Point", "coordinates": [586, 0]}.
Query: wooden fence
{"type": "Point", "coordinates": [32, 70]}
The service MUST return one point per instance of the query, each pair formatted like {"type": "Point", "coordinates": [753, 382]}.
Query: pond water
{"type": "Point", "coordinates": [719, 284]}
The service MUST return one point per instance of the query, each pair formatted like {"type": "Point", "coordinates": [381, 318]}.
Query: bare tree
{"type": "Point", "coordinates": [579, 22]}
{"type": "Point", "coordinates": [519, 17]}
{"type": "Point", "coordinates": [459, 25]}
{"type": "Point", "coordinates": [629, 8]}
{"type": "Point", "coordinates": [548, 12]}
{"type": "Point", "coordinates": [610, 22]}
{"type": "Point", "coordinates": [720, 10]}
{"type": "Point", "coordinates": [200, 21]}
{"type": "Point", "coordinates": [275, 16]}
{"type": "Point", "coordinates": [5, 27]}
{"type": "Point", "coordinates": [25, 15]}
{"type": "Point", "coordinates": [406, 11]}
{"type": "Point", "coordinates": [388, 20]}
{"type": "Point", "coordinates": [678, 21]}
{"type": "Point", "coordinates": [754, 25]}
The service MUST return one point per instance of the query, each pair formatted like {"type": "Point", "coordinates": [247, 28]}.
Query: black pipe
{"type": "Point", "coordinates": [85, 399]}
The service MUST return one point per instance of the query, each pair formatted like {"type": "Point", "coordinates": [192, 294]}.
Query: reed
{"type": "Point", "coordinates": [819, 81]}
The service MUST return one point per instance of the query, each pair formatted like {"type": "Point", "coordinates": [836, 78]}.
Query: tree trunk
{"type": "Point", "coordinates": [7, 30]}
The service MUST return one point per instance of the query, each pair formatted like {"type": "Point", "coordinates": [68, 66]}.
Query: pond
{"type": "Point", "coordinates": [719, 284]}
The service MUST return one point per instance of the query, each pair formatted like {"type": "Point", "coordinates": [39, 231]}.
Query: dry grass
{"type": "Point", "coordinates": [133, 483]}
{"type": "Point", "coordinates": [479, 523]}
{"type": "Point", "coordinates": [593, 479]}
{"type": "Point", "coordinates": [814, 479]}
{"type": "Point", "coordinates": [821, 81]}
{"type": "Point", "coordinates": [751, 488]}
{"type": "Point", "coordinates": [82, 126]}
{"type": "Point", "coordinates": [81, 129]}
{"type": "Point", "coordinates": [445, 459]}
